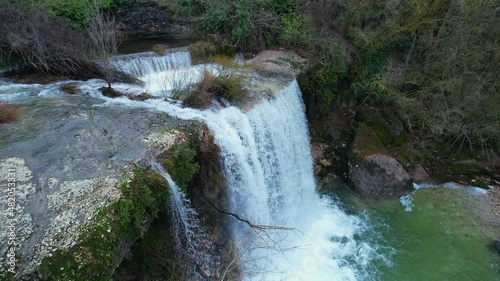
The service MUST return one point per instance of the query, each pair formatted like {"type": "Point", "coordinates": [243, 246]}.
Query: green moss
{"type": "Point", "coordinates": [101, 245]}
{"type": "Point", "coordinates": [387, 126]}
{"type": "Point", "coordinates": [181, 165]}
{"type": "Point", "coordinates": [464, 173]}
{"type": "Point", "coordinates": [367, 142]}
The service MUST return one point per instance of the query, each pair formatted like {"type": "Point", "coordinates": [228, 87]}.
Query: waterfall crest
{"type": "Point", "coordinates": [142, 64]}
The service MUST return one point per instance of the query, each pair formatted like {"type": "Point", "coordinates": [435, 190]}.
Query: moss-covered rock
{"type": "Point", "coordinates": [367, 142]}
{"type": "Point", "coordinates": [180, 164]}
{"type": "Point", "coordinates": [101, 244]}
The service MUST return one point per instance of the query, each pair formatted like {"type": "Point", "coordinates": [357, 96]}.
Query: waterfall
{"type": "Point", "coordinates": [266, 159]}
{"type": "Point", "coordinates": [142, 64]}
{"type": "Point", "coordinates": [162, 74]}
{"type": "Point", "coordinates": [189, 236]}
{"type": "Point", "coordinates": [268, 165]}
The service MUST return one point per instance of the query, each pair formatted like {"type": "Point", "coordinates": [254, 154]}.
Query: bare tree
{"type": "Point", "coordinates": [43, 42]}
{"type": "Point", "coordinates": [105, 38]}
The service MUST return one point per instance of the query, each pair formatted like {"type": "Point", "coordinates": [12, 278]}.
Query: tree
{"type": "Point", "coordinates": [104, 37]}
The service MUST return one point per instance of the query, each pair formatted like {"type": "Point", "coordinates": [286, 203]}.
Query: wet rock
{"type": "Point", "coordinates": [317, 170]}
{"type": "Point", "coordinates": [379, 176]}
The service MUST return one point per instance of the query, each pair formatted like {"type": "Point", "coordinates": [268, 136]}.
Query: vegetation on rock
{"type": "Point", "coordinates": [181, 165]}
{"type": "Point", "coordinates": [102, 244]}
{"type": "Point", "coordinates": [220, 87]}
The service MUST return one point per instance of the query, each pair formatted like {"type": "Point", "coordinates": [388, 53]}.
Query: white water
{"type": "Point", "coordinates": [139, 65]}
{"type": "Point", "coordinates": [268, 165]}
{"type": "Point", "coordinates": [191, 241]}
{"type": "Point", "coordinates": [162, 74]}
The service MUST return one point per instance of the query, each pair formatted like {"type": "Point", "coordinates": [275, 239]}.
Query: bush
{"type": "Point", "coordinates": [202, 51]}
{"type": "Point", "coordinates": [297, 30]}
{"type": "Point", "coordinates": [249, 24]}
{"type": "Point", "coordinates": [324, 81]}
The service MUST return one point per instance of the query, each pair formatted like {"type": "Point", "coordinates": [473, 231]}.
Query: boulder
{"type": "Point", "coordinates": [421, 176]}
{"type": "Point", "coordinates": [379, 176]}
{"type": "Point", "coordinates": [496, 246]}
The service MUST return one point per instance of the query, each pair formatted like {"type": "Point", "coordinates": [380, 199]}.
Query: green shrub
{"type": "Point", "coordinates": [76, 10]}
{"type": "Point", "coordinates": [297, 30]}
{"type": "Point", "coordinates": [248, 24]}
{"type": "Point", "coordinates": [325, 80]}
{"type": "Point", "coordinates": [202, 51]}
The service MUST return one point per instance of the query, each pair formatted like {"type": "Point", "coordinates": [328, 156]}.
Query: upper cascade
{"type": "Point", "coordinates": [142, 64]}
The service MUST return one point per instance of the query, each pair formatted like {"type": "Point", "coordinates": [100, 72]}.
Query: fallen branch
{"type": "Point", "coordinates": [249, 223]}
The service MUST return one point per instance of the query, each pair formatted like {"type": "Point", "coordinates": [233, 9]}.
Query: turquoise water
{"type": "Point", "coordinates": [440, 239]}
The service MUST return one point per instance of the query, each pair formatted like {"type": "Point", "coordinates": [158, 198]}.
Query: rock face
{"type": "Point", "coordinates": [148, 20]}
{"type": "Point", "coordinates": [278, 61]}
{"type": "Point", "coordinates": [420, 175]}
{"type": "Point", "coordinates": [66, 158]}
{"type": "Point", "coordinates": [379, 176]}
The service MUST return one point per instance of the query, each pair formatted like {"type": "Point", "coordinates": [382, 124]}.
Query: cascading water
{"type": "Point", "coordinates": [268, 166]}
{"type": "Point", "coordinates": [162, 74]}
{"type": "Point", "coordinates": [190, 237]}
{"type": "Point", "coordinates": [139, 65]}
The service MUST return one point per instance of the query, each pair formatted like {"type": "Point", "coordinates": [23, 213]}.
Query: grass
{"type": "Point", "coordinates": [223, 87]}
{"type": "Point", "coordinates": [110, 92]}
{"type": "Point", "coordinates": [9, 113]}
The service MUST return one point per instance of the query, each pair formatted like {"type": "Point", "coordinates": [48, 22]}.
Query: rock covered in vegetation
{"type": "Point", "coordinates": [379, 176]}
